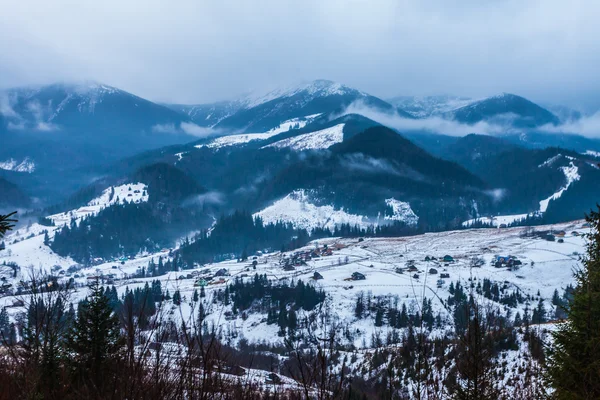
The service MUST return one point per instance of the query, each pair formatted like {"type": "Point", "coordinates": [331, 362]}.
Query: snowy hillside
{"type": "Point", "coordinates": [427, 106]}
{"type": "Point", "coordinates": [128, 193]}
{"type": "Point", "coordinates": [401, 211]}
{"type": "Point", "coordinates": [298, 209]}
{"type": "Point", "coordinates": [26, 165]}
{"type": "Point", "coordinates": [310, 90]}
{"type": "Point", "coordinates": [571, 175]}
{"type": "Point", "coordinates": [321, 139]}
{"type": "Point", "coordinates": [233, 140]}
{"type": "Point", "coordinates": [593, 153]}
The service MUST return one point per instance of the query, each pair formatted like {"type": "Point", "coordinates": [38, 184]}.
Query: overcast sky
{"type": "Point", "coordinates": [192, 51]}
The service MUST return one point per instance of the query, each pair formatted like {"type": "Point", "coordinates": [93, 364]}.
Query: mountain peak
{"type": "Point", "coordinates": [520, 112]}
{"type": "Point", "coordinates": [315, 88]}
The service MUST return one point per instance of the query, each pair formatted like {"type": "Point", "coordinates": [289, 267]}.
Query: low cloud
{"type": "Point", "coordinates": [198, 131]}
{"type": "Point", "coordinates": [165, 128]}
{"type": "Point", "coordinates": [209, 198]}
{"type": "Point", "coordinates": [185, 127]}
{"type": "Point", "coordinates": [496, 194]}
{"type": "Point", "coordinates": [18, 123]}
{"type": "Point", "coordinates": [431, 124]}
{"type": "Point", "coordinates": [361, 163]}
{"type": "Point", "coordinates": [586, 126]}
{"type": "Point", "coordinates": [6, 107]}
{"type": "Point", "coordinates": [46, 127]}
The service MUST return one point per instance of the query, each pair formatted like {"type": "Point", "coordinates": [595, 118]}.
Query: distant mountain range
{"type": "Point", "coordinates": [259, 148]}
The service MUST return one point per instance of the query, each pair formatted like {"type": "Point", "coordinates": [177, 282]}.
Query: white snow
{"type": "Point", "coordinates": [128, 193]}
{"type": "Point", "coordinates": [546, 266]}
{"type": "Point", "coordinates": [593, 153]}
{"type": "Point", "coordinates": [321, 139]}
{"type": "Point", "coordinates": [310, 90]}
{"type": "Point", "coordinates": [496, 220]}
{"type": "Point", "coordinates": [297, 209]}
{"type": "Point", "coordinates": [180, 155]}
{"type": "Point", "coordinates": [27, 165]}
{"type": "Point", "coordinates": [550, 161]}
{"type": "Point", "coordinates": [401, 212]}
{"type": "Point", "coordinates": [572, 174]}
{"type": "Point", "coordinates": [232, 140]}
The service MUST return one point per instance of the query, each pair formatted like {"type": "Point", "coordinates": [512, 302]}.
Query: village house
{"type": "Point", "coordinates": [357, 276]}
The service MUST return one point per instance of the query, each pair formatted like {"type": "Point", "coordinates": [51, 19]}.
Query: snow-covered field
{"type": "Point", "coordinates": [322, 139]}
{"type": "Point", "coordinates": [546, 266]}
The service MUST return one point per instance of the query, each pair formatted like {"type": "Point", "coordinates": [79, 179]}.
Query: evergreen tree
{"type": "Point", "coordinates": [195, 296]}
{"type": "Point", "coordinates": [360, 306]}
{"type": "Point", "coordinates": [574, 359]}
{"type": "Point", "coordinates": [201, 317]}
{"type": "Point", "coordinates": [202, 292]}
{"type": "Point", "coordinates": [177, 298]}
{"type": "Point", "coordinates": [292, 320]}
{"type": "Point", "coordinates": [94, 339]}
{"type": "Point", "coordinates": [6, 223]}
{"type": "Point", "coordinates": [4, 326]}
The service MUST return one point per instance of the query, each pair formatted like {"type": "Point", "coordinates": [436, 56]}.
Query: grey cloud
{"type": "Point", "coordinates": [198, 51]}
{"type": "Point", "coordinates": [209, 198]}
{"type": "Point", "coordinates": [185, 127]}
{"type": "Point", "coordinates": [586, 126]}
{"type": "Point", "coordinates": [432, 124]}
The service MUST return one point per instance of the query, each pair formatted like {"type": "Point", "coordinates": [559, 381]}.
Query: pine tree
{"type": "Point", "coordinates": [475, 363]}
{"type": "Point", "coordinates": [94, 339]}
{"type": "Point", "coordinates": [4, 326]}
{"type": "Point", "coordinates": [6, 223]}
{"type": "Point", "coordinates": [202, 292]}
{"type": "Point", "coordinates": [195, 296]}
{"type": "Point", "coordinates": [177, 298]}
{"type": "Point", "coordinates": [292, 320]}
{"type": "Point", "coordinates": [574, 358]}
{"type": "Point", "coordinates": [200, 318]}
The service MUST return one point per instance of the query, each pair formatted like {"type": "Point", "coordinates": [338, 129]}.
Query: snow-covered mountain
{"type": "Point", "coordinates": [261, 112]}
{"type": "Point", "coordinates": [208, 115]}
{"type": "Point", "coordinates": [82, 106]}
{"type": "Point", "coordinates": [59, 133]}
{"type": "Point", "coordinates": [504, 109]}
{"type": "Point", "coordinates": [426, 106]}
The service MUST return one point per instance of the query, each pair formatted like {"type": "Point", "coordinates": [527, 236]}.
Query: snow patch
{"type": "Point", "coordinates": [232, 140]}
{"type": "Point", "coordinates": [128, 193]}
{"type": "Point", "coordinates": [401, 212]}
{"type": "Point", "coordinates": [593, 153]}
{"type": "Point", "coordinates": [11, 164]}
{"type": "Point", "coordinates": [322, 139]}
{"type": "Point", "coordinates": [297, 209]}
{"type": "Point", "coordinates": [550, 161]}
{"type": "Point", "coordinates": [496, 221]}
{"type": "Point", "coordinates": [572, 174]}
